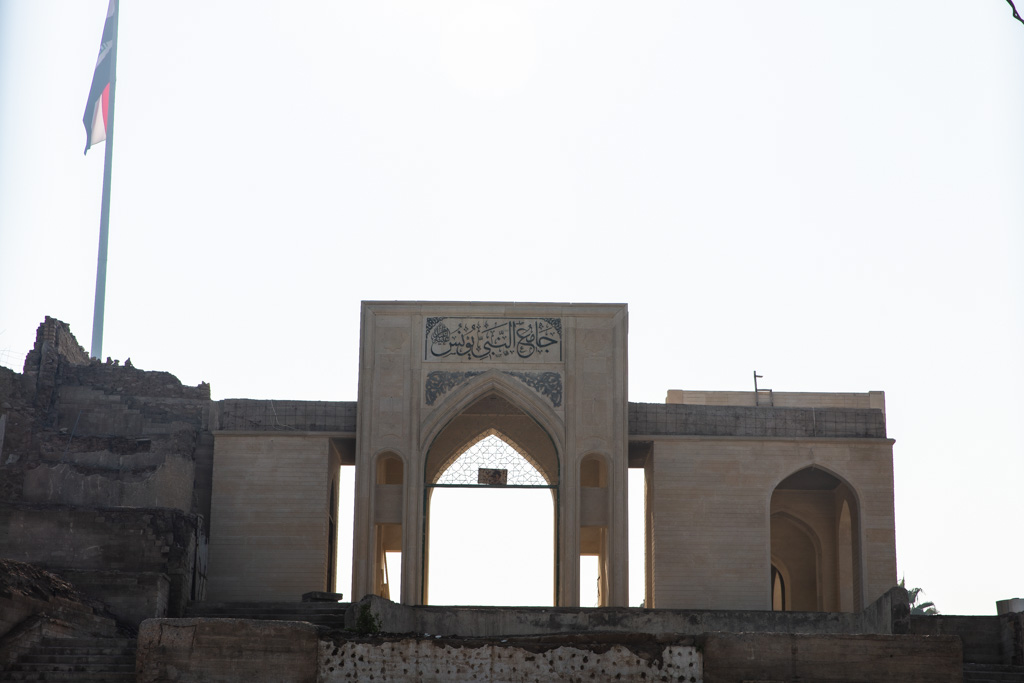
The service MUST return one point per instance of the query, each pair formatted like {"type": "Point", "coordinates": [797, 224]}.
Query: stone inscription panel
{"type": "Point", "coordinates": [503, 340]}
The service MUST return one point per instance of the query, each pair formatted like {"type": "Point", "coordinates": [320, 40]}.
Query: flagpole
{"type": "Point", "coordinates": [101, 259]}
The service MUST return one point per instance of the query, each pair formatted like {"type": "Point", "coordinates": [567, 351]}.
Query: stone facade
{"type": "Point", "coordinates": [769, 529]}
{"type": "Point", "coordinates": [740, 486]}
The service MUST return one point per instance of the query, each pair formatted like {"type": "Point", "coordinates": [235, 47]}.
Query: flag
{"type": "Point", "coordinates": [97, 107]}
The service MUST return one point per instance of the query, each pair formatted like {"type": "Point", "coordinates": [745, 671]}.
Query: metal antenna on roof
{"type": "Point", "coordinates": [759, 392]}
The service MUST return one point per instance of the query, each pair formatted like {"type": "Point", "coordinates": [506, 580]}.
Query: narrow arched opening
{"type": "Point", "coordinates": [491, 479]}
{"type": "Point", "coordinates": [387, 514]}
{"type": "Point", "coordinates": [594, 518]}
{"type": "Point", "coordinates": [778, 583]}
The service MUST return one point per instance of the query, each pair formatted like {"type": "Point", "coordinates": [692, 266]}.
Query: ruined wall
{"type": "Point", "coordinates": [27, 590]}
{"type": "Point", "coordinates": [86, 433]}
{"type": "Point", "coordinates": [194, 650]}
{"type": "Point", "coordinates": [115, 553]}
{"type": "Point", "coordinates": [204, 650]}
{"type": "Point", "coordinates": [571, 657]}
{"type": "Point", "coordinates": [55, 349]}
{"type": "Point", "coordinates": [97, 476]}
{"type": "Point", "coordinates": [36, 604]}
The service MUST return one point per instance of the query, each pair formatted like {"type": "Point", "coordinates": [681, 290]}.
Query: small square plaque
{"type": "Point", "coordinates": [492, 477]}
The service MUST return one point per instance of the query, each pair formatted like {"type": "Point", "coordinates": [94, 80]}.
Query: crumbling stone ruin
{"type": "Point", "coordinates": [147, 532]}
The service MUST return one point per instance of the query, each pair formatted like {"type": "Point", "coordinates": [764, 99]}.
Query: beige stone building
{"type": "Point", "coordinates": [753, 500]}
{"type": "Point", "coordinates": [130, 501]}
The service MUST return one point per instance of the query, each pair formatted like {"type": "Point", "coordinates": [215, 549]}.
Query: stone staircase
{"type": "Point", "coordinates": [993, 673]}
{"type": "Point", "coordinates": [326, 614]}
{"type": "Point", "coordinates": [106, 660]}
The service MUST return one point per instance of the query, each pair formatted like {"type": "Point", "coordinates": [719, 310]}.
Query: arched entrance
{"type": "Point", "coordinates": [490, 509]}
{"type": "Point", "coordinates": [815, 548]}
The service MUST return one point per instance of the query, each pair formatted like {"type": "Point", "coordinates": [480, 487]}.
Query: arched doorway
{"type": "Point", "coordinates": [490, 509]}
{"type": "Point", "coordinates": [815, 548]}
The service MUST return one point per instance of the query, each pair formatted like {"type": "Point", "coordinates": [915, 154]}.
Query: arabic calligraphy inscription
{"type": "Point", "coordinates": [532, 340]}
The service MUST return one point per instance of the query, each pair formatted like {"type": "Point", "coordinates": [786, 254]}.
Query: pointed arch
{"type": "Point", "coordinates": [825, 507]}
{"type": "Point", "coordinates": [490, 405]}
{"type": "Point", "coordinates": [493, 382]}
{"type": "Point", "coordinates": [474, 441]}
{"type": "Point", "coordinates": [796, 548]}
{"type": "Point", "coordinates": [813, 465]}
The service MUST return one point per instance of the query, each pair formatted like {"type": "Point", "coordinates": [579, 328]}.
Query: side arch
{"type": "Point", "coordinates": [825, 506]}
{"type": "Point", "coordinates": [595, 517]}
{"type": "Point", "coordinates": [387, 509]}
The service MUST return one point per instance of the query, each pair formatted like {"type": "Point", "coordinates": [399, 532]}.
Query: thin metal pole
{"type": "Point", "coordinates": [101, 260]}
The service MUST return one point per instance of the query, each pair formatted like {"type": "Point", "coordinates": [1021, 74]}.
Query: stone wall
{"type": "Point", "coordinates": [709, 522]}
{"type": "Point", "coordinates": [226, 650]}
{"type": "Point", "coordinates": [269, 516]}
{"type": "Point", "coordinates": [598, 657]}
{"type": "Point", "coordinates": [884, 617]}
{"type": "Point", "coordinates": [55, 349]}
{"type": "Point", "coordinates": [778, 399]}
{"type": "Point", "coordinates": [37, 604]}
{"type": "Point", "coordinates": [109, 472]}
{"type": "Point", "coordinates": [99, 459]}
{"type": "Point", "coordinates": [655, 419]}
{"type": "Point", "coordinates": [86, 433]}
{"type": "Point", "coordinates": [194, 650]}
{"type": "Point", "coordinates": [114, 551]}
{"type": "Point", "coordinates": [211, 650]}
{"type": "Point", "coordinates": [730, 657]}
{"type": "Point", "coordinates": [986, 639]}
{"type": "Point", "coordinates": [305, 416]}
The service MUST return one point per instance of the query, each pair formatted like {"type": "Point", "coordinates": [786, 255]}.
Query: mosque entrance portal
{"type": "Point", "coordinates": [490, 510]}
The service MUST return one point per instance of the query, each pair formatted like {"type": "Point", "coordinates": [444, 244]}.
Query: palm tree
{"type": "Point", "coordinates": [925, 608]}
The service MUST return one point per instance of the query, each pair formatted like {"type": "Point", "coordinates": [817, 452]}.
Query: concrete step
{"type": "Point", "coordinates": [90, 659]}
{"type": "Point", "coordinates": [204, 608]}
{"type": "Point", "coordinates": [320, 613]}
{"type": "Point", "coordinates": [75, 676]}
{"type": "Point", "coordinates": [111, 660]}
{"type": "Point", "coordinates": [993, 673]}
{"type": "Point", "coordinates": [76, 667]}
{"type": "Point", "coordinates": [58, 647]}
{"type": "Point", "coordinates": [89, 642]}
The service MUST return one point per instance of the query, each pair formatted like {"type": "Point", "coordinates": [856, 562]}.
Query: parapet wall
{"type": "Point", "coordinates": [885, 616]}
{"type": "Point", "coordinates": [986, 639]}
{"type": "Point", "coordinates": [244, 415]}
{"type": "Point", "coordinates": [779, 399]}
{"type": "Point", "coordinates": [660, 419]}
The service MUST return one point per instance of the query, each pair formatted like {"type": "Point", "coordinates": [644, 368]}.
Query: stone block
{"type": "Point", "coordinates": [226, 650]}
{"type": "Point", "coordinates": [824, 658]}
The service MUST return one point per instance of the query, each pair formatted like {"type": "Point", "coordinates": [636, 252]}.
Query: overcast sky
{"type": "Point", "coordinates": [828, 193]}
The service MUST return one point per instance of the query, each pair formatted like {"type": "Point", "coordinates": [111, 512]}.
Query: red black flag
{"type": "Point", "coordinates": [96, 108]}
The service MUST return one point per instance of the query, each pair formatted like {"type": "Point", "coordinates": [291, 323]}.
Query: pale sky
{"type": "Point", "coordinates": [829, 193]}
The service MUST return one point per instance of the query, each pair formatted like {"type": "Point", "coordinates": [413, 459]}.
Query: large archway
{"type": "Point", "coordinates": [815, 546]}
{"type": "Point", "coordinates": [490, 509]}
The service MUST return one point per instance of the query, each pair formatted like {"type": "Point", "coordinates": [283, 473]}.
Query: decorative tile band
{"type": "Point", "coordinates": [547, 384]}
